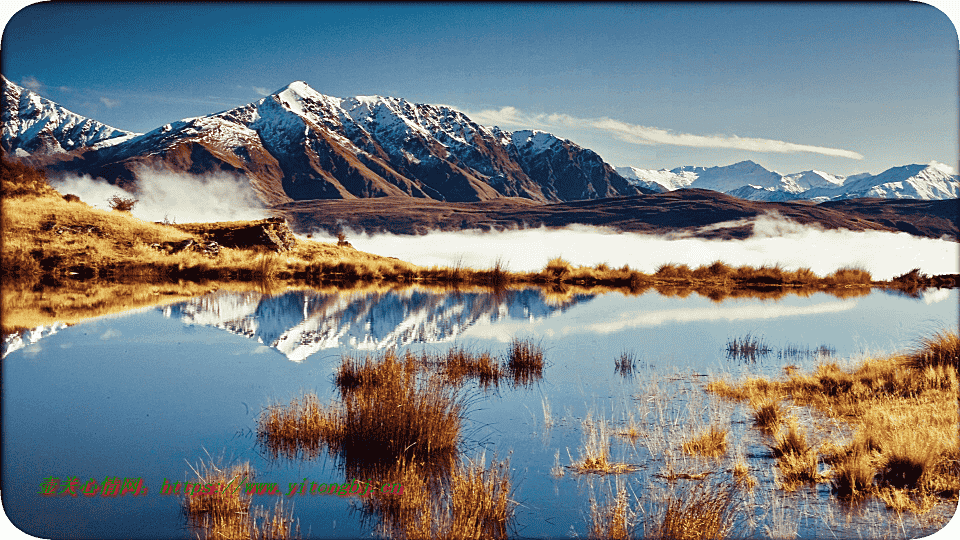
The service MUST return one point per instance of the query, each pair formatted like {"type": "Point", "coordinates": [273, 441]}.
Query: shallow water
{"type": "Point", "coordinates": [147, 394]}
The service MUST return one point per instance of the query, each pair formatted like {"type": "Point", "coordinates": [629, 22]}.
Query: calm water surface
{"type": "Point", "coordinates": [150, 393]}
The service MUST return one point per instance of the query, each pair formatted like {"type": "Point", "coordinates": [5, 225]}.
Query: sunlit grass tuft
{"type": "Point", "coordinates": [711, 443]}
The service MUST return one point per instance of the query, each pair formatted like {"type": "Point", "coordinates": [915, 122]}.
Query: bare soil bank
{"type": "Point", "coordinates": [682, 211]}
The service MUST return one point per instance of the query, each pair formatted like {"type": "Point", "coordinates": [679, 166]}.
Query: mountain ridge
{"type": "Point", "coordinates": [298, 144]}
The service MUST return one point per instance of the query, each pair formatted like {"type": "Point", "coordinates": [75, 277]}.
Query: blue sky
{"type": "Point", "coordinates": [844, 88]}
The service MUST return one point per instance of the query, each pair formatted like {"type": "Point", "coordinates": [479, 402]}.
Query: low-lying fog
{"type": "Point", "coordinates": [185, 198]}
{"type": "Point", "coordinates": [174, 197]}
{"type": "Point", "coordinates": [775, 241]}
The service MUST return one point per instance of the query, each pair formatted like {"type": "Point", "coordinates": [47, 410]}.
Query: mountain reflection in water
{"type": "Point", "coordinates": [300, 323]}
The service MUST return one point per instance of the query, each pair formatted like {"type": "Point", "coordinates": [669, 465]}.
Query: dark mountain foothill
{"type": "Point", "coordinates": [701, 213]}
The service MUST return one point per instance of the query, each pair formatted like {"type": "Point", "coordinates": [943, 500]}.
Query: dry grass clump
{"type": "Point", "coordinates": [711, 443]}
{"type": "Point", "coordinates": [557, 268]}
{"type": "Point", "coordinates": [797, 460]}
{"type": "Point", "coordinates": [257, 524]}
{"type": "Point", "coordinates": [388, 410]}
{"type": "Point", "coordinates": [299, 429]}
{"type": "Point", "coordinates": [673, 271]}
{"type": "Point", "coordinates": [401, 414]}
{"type": "Point", "coordinates": [471, 500]}
{"type": "Point", "coordinates": [942, 349]}
{"type": "Point", "coordinates": [747, 348]}
{"type": "Point", "coordinates": [612, 519]}
{"type": "Point", "coordinates": [525, 361]}
{"type": "Point", "coordinates": [767, 414]}
{"type": "Point", "coordinates": [849, 276]}
{"type": "Point", "coordinates": [703, 510]}
{"type": "Point", "coordinates": [458, 364]}
{"type": "Point", "coordinates": [595, 452]}
{"type": "Point", "coordinates": [741, 473]}
{"type": "Point", "coordinates": [904, 412]}
{"type": "Point", "coordinates": [223, 503]}
{"type": "Point", "coordinates": [226, 513]}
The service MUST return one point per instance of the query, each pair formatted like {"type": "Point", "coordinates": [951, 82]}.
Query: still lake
{"type": "Point", "coordinates": [149, 393]}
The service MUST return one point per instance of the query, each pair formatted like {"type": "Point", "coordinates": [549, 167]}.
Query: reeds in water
{"type": "Point", "coordinates": [387, 410]}
{"type": "Point", "coordinates": [768, 414]}
{"type": "Point", "coordinates": [472, 500]}
{"type": "Point", "coordinates": [611, 519]}
{"type": "Point", "coordinates": [711, 443]}
{"type": "Point", "coordinates": [699, 510]}
{"type": "Point", "coordinates": [626, 364]}
{"type": "Point", "coordinates": [748, 348]}
{"type": "Point", "coordinates": [525, 361]}
{"type": "Point", "coordinates": [595, 452]}
{"type": "Point", "coordinates": [226, 513]}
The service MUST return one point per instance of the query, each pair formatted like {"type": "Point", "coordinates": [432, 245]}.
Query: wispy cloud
{"type": "Point", "coordinates": [110, 103]}
{"type": "Point", "coordinates": [261, 90]}
{"type": "Point", "coordinates": [32, 83]}
{"type": "Point", "coordinates": [637, 134]}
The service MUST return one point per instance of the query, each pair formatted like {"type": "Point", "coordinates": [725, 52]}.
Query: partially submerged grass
{"type": "Point", "coordinates": [903, 409]}
{"type": "Point", "coordinates": [595, 452]}
{"type": "Point", "coordinates": [797, 461]}
{"type": "Point", "coordinates": [767, 414]}
{"type": "Point", "coordinates": [388, 410]}
{"type": "Point", "coordinates": [226, 513]}
{"type": "Point", "coordinates": [747, 348]}
{"type": "Point", "coordinates": [612, 519]}
{"type": "Point", "coordinates": [711, 443]}
{"type": "Point", "coordinates": [525, 361]}
{"type": "Point", "coordinates": [473, 500]}
{"type": "Point", "coordinates": [699, 510]}
{"type": "Point", "coordinates": [626, 363]}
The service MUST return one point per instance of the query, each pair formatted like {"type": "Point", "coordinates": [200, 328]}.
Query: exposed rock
{"type": "Point", "coordinates": [271, 233]}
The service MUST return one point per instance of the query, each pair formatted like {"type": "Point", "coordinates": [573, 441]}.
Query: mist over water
{"type": "Point", "coordinates": [775, 241]}
{"type": "Point", "coordinates": [175, 197]}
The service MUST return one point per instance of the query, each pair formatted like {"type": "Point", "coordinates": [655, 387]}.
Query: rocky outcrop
{"type": "Point", "coordinates": [272, 234]}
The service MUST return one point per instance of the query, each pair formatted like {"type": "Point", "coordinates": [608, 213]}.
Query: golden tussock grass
{"type": "Point", "coordinates": [767, 414]}
{"type": "Point", "coordinates": [226, 513]}
{"type": "Point", "coordinates": [903, 410]}
{"type": "Point", "coordinates": [699, 510]}
{"type": "Point", "coordinates": [711, 443]}
{"type": "Point", "coordinates": [613, 518]}
{"type": "Point", "coordinates": [797, 461]}
{"type": "Point", "coordinates": [388, 410]}
{"type": "Point", "coordinates": [525, 361]}
{"type": "Point", "coordinates": [741, 473]}
{"type": "Point", "coordinates": [595, 450]}
{"type": "Point", "coordinates": [472, 500]}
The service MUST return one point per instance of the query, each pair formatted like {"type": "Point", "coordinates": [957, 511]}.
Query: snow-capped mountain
{"type": "Point", "coordinates": [748, 180]}
{"type": "Point", "coordinates": [298, 144]}
{"type": "Point", "coordinates": [930, 182]}
{"type": "Point", "coordinates": [301, 323]}
{"type": "Point", "coordinates": [32, 124]}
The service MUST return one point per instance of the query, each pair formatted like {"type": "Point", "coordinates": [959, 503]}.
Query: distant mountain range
{"type": "Point", "coordinates": [299, 145]}
{"type": "Point", "coordinates": [748, 180]}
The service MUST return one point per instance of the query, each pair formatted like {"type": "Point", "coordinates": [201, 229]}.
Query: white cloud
{"type": "Point", "coordinates": [110, 334]}
{"type": "Point", "coordinates": [32, 83]}
{"type": "Point", "coordinates": [645, 135]}
{"type": "Point", "coordinates": [110, 103]}
{"type": "Point", "coordinates": [171, 196]}
{"type": "Point", "coordinates": [261, 90]}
